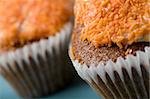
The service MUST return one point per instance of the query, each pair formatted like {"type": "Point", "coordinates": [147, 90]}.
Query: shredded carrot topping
{"type": "Point", "coordinates": [122, 22]}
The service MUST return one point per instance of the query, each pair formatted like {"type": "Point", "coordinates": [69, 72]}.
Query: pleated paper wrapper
{"type": "Point", "coordinates": [40, 68]}
{"type": "Point", "coordinates": [127, 78]}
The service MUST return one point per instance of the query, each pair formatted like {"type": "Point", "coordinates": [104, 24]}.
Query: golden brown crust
{"type": "Point", "coordinates": [122, 22]}
{"type": "Point", "coordinates": [22, 21]}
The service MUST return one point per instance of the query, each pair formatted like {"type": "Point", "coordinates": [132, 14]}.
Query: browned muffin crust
{"type": "Point", "coordinates": [85, 52]}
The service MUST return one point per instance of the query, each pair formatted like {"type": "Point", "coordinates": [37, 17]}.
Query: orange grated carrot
{"type": "Point", "coordinates": [122, 22]}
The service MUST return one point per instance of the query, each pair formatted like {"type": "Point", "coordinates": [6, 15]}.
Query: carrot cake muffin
{"type": "Point", "coordinates": [34, 34]}
{"type": "Point", "coordinates": [110, 46]}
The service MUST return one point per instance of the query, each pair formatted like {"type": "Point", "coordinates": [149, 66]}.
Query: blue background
{"type": "Point", "coordinates": [77, 90]}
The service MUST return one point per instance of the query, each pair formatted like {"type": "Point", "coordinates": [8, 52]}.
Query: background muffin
{"type": "Point", "coordinates": [34, 36]}
{"type": "Point", "coordinates": [110, 46]}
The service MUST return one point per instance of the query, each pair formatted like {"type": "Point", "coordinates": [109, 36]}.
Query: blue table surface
{"type": "Point", "coordinates": [77, 90]}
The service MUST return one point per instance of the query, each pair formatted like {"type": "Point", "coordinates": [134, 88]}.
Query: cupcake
{"type": "Point", "coordinates": [34, 38]}
{"type": "Point", "coordinates": [110, 47]}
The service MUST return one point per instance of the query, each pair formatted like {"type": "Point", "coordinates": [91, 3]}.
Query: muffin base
{"type": "Point", "coordinates": [124, 79]}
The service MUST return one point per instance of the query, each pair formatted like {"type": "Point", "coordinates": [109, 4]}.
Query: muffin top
{"type": "Point", "coordinates": [107, 22]}
{"type": "Point", "coordinates": [23, 21]}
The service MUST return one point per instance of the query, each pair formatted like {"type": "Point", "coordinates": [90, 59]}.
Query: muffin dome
{"type": "Point", "coordinates": [24, 21]}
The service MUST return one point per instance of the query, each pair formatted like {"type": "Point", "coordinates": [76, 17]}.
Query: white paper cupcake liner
{"type": "Point", "coordinates": [39, 68]}
{"type": "Point", "coordinates": [124, 79]}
